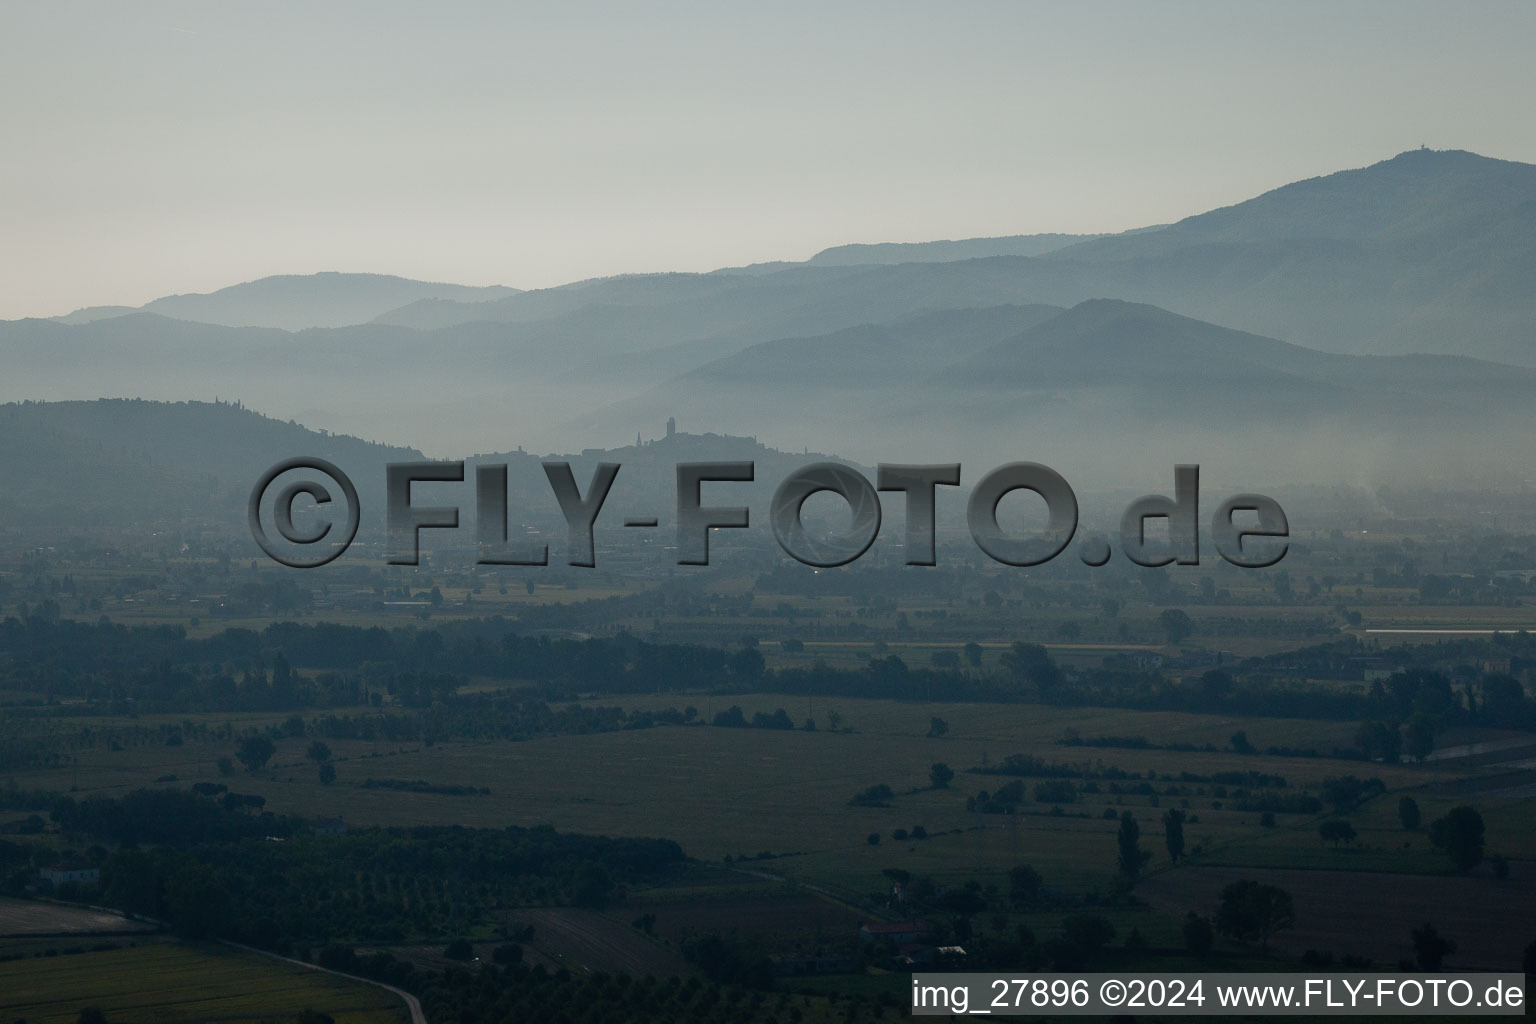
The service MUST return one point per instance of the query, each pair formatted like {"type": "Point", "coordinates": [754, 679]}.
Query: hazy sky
{"type": "Point", "coordinates": [153, 148]}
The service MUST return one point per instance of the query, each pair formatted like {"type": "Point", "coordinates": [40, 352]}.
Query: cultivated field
{"type": "Point", "coordinates": [172, 983]}
{"type": "Point", "coordinates": [744, 792]}
{"type": "Point", "coordinates": [1478, 914]}
{"type": "Point", "coordinates": [33, 918]}
{"type": "Point", "coordinates": [585, 940]}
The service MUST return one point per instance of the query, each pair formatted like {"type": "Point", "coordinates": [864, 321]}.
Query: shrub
{"type": "Point", "coordinates": [875, 796]}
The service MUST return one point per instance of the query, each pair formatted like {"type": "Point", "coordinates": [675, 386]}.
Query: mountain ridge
{"type": "Point", "coordinates": [295, 301]}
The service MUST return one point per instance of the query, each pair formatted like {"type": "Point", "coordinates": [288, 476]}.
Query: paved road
{"type": "Point", "coordinates": [411, 1002]}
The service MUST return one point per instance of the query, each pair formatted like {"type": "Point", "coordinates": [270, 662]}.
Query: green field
{"type": "Point", "coordinates": [170, 983]}
{"type": "Point", "coordinates": [741, 792]}
{"type": "Point", "coordinates": [767, 813]}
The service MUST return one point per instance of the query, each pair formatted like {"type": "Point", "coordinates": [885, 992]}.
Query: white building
{"type": "Point", "coordinates": [72, 872]}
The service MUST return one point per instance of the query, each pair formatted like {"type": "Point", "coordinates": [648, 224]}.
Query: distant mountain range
{"type": "Point", "coordinates": [1431, 251]}
{"type": "Point", "coordinates": [1427, 252]}
{"type": "Point", "coordinates": [1358, 316]}
{"type": "Point", "coordinates": [944, 251]}
{"type": "Point", "coordinates": [293, 302]}
{"type": "Point", "coordinates": [1111, 385]}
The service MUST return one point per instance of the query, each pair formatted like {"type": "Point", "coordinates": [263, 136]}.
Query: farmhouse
{"type": "Point", "coordinates": [71, 871]}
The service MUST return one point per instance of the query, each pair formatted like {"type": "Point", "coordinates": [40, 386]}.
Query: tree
{"type": "Point", "coordinates": [1460, 835]}
{"type": "Point", "coordinates": [318, 751]}
{"type": "Point", "coordinates": [91, 1015]}
{"type": "Point", "coordinates": [226, 766]}
{"type": "Point", "coordinates": [255, 751]}
{"type": "Point", "coordinates": [1336, 831]}
{"type": "Point", "coordinates": [1173, 833]}
{"type": "Point", "coordinates": [937, 727]}
{"type": "Point", "coordinates": [327, 773]}
{"type": "Point", "coordinates": [1024, 884]}
{"type": "Point", "coordinates": [1249, 910]}
{"type": "Point", "coordinates": [592, 886]}
{"type": "Point", "coordinates": [778, 720]}
{"type": "Point", "coordinates": [1421, 736]}
{"type": "Point", "coordinates": [1347, 793]}
{"type": "Point", "coordinates": [196, 903]}
{"type": "Point", "coordinates": [734, 718]}
{"type": "Point", "coordinates": [1381, 741]}
{"type": "Point", "coordinates": [1430, 947]}
{"type": "Point", "coordinates": [728, 961]}
{"type": "Point", "coordinates": [1131, 855]}
{"type": "Point", "coordinates": [1029, 663]}
{"type": "Point", "coordinates": [746, 664]}
{"type": "Point", "coordinates": [459, 949]}
{"type": "Point", "coordinates": [962, 902]}
{"type": "Point", "coordinates": [1176, 624]}
{"type": "Point", "coordinates": [1408, 813]}
{"type": "Point", "coordinates": [945, 659]}
{"type": "Point", "coordinates": [874, 796]}
{"type": "Point", "coordinates": [1055, 791]}
{"type": "Point", "coordinates": [1199, 937]}
{"type": "Point", "coordinates": [1504, 701]}
{"type": "Point", "coordinates": [941, 775]}
{"type": "Point", "coordinates": [972, 653]}
{"type": "Point", "coordinates": [1087, 933]}
{"type": "Point", "coordinates": [1216, 685]}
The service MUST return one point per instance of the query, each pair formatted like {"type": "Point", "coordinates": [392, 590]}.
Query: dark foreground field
{"type": "Point", "coordinates": [172, 983]}
{"type": "Point", "coordinates": [1372, 914]}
